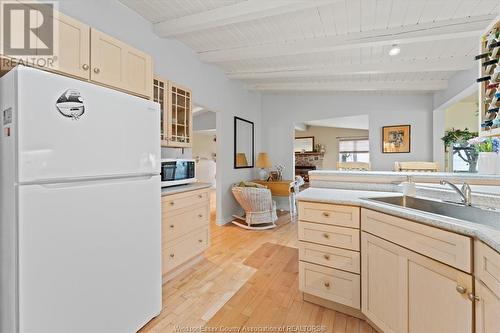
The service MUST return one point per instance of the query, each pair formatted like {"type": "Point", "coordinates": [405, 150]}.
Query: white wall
{"type": "Point", "coordinates": [174, 61]}
{"type": "Point", "coordinates": [205, 121]}
{"type": "Point", "coordinates": [460, 86]}
{"type": "Point", "coordinates": [281, 111]}
{"type": "Point", "coordinates": [328, 136]}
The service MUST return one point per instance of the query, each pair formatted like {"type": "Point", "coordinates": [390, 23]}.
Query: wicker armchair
{"type": "Point", "coordinates": [259, 207]}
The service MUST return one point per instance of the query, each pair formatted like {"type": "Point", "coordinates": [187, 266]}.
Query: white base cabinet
{"type": "Point", "coordinates": [403, 291]}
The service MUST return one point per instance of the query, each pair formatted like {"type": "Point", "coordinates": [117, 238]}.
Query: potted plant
{"type": "Point", "coordinates": [456, 142]}
{"type": "Point", "coordinates": [488, 154]}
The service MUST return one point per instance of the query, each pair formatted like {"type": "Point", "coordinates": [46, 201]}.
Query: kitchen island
{"type": "Point", "coordinates": [401, 269]}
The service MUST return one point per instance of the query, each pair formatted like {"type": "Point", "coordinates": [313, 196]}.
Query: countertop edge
{"type": "Point", "coordinates": [483, 233]}
{"type": "Point", "coordinates": [184, 188]}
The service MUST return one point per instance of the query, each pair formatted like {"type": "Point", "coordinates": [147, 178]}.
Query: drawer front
{"type": "Point", "coordinates": [184, 249]}
{"type": "Point", "coordinates": [330, 284]}
{"type": "Point", "coordinates": [487, 266]}
{"type": "Point", "coordinates": [344, 216]}
{"type": "Point", "coordinates": [182, 221]}
{"type": "Point", "coordinates": [183, 200]}
{"type": "Point", "coordinates": [330, 256]}
{"type": "Point", "coordinates": [447, 247]}
{"type": "Point", "coordinates": [346, 238]}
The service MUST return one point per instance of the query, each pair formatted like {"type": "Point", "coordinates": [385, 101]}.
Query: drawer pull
{"type": "Point", "coordinates": [325, 214]}
{"type": "Point", "coordinates": [200, 196]}
{"type": "Point", "coordinates": [171, 226]}
{"type": "Point", "coordinates": [326, 235]}
{"type": "Point", "coordinates": [326, 284]}
{"type": "Point", "coordinates": [172, 255]}
{"type": "Point", "coordinates": [461, 289]}
{"type": "Point", "coordinates": [200, 215]}
{"type": "Point", "coordinates": [326, 256]}
{"type": "Point", "coordinates": [200, 240]}
{"type": "Point", "coordinates": [172, 203]}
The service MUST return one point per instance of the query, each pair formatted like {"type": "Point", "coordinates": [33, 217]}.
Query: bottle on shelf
{"type": "Point", "coordinates": [490, 65]}
{"type": "Point", "coordinates": [483, 78]}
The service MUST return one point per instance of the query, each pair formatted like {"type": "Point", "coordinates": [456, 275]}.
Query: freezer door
{"type": "Point", "coordinates": [72, 129]}
{"type": "Point", "coordinates": [89, 256]}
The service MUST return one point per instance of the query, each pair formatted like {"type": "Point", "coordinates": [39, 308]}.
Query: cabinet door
{"type": "Point", "coordinates": [180, 117]}
{"type": "Point", "coordinates": [404, 291]}
{"type": "Point", "coordinates": [118, 65]}
{"type": "Point", "coordinates": [73, 54]}
{"type": "Point", "coordinates": [487, 310]}
{"type": "Point", "coordinates": [383, 284]}
{"type": "Point", "coordinates": [160, 95]}
{"type": "Point", "coordinates": [437, 297]}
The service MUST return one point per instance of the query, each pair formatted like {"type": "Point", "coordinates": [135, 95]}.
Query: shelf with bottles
{"type": "Point", "coordinates": [489, 79]}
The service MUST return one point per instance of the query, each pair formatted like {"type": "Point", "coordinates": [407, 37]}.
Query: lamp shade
{"type": "Point", "coordinates": [241, 160]}
{"type": "Point", "coordinates": [263, 161]}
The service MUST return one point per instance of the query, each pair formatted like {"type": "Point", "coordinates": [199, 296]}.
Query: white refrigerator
{"type": "Point", "coordinates": [79, 206]}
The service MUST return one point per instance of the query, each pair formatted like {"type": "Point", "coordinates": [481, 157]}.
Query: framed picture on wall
{"type": "Point", "coordinates": [396, 139]}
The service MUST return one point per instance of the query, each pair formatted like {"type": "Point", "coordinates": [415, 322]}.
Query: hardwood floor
{"type": "Point", "coordinates": [247, 278]}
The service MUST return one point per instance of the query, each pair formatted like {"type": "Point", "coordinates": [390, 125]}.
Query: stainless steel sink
{"type": "Point", "coordinates": [447, 209]}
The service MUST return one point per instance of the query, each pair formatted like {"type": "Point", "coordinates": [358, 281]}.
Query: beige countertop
{"type": "Point", "coordinates": [487, 233]}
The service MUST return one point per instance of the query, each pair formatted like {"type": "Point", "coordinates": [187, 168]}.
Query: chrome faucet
{"type": "Point", "coordinates": [465, 192]}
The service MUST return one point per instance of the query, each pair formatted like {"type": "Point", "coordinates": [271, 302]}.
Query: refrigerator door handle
{"type": "Point", "coordinates": [69, 183]}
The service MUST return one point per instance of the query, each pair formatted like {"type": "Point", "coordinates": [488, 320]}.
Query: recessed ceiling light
{"type": "Point", "coordinates": [394, 50]}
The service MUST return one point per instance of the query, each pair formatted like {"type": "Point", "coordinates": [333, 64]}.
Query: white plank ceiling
{"type": "Point", "coordinates": [328, 45]}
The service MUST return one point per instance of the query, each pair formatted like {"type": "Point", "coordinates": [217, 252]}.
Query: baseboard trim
{"type": "Point", "coordinates": [182, 268]}
{"type": "Point", "coordinates": [334, 306]}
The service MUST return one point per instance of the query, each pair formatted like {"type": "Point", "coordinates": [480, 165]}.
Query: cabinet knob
{"type": "Point", "coordinates": [461, 289]}
{"type": "Point", "coordinates": [473, 297]}
{"type": "Point", "coordinates": [326, 235]}
{"type": "Point", "coordinates": [200, 240]}
{"type": "Point", "coordinates": [171, 226]}
{"type": "Point", "coordinates": [172, 255]}
{"type": "Point", "coordinates": [325, 214]}
{"type": "Point", "coordinates": [96, 70]}
{"type": "Point", "coordinates": [326, 284]}
{"type": "Point", "coordinates": [200, 215]}
{"type": "Point", "coordinates": [326, 256]}
{"type": "Point", "coordinates": [85, 67]}
{"type": "Point", "coordinates": [200, 196]}
{"type": "Point", "coordinates": [172, 203]}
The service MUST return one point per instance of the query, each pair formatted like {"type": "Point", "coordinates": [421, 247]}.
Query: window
{"type": "Point", "coordinates": [354, 150]}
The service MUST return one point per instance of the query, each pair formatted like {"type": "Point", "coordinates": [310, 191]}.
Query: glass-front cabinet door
{"type": "Point", "coordinates": [176, 113]}
{"type": "Point", "coordinates": [180, 116]}
{"type": "Point", "coordinates": [160, 88]}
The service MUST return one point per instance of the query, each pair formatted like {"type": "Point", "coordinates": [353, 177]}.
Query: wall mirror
{"type": "Point", "coordinates": [243, 143]}
{"type": "Point", "coordinates": [304, 144]}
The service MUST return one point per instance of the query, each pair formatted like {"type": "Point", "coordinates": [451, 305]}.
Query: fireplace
{"type": "Point", "coordinates": [302, 170]}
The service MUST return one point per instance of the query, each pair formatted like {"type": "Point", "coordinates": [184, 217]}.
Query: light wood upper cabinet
{"type": "Point", "coordinates": [73, 55]}
{"type": "Point", "coordinates": [403, 291]}
{"type": "Point", "coordinates": [179, 116]}
{"type": "Point", "coordinates": [176, 113]}
{"type": "Point", "coordinates": [117, 64]}
{"type": "Point", "coordinates": [160, 95]}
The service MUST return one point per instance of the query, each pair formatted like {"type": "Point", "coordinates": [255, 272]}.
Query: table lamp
{"type": "Point", "coordinates": [263, 163]}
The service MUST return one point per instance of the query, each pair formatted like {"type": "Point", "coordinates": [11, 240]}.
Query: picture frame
{"type": "Point", "coordinates": [396, 139]}
{"type": "Point", "coordinates": [303, 144]}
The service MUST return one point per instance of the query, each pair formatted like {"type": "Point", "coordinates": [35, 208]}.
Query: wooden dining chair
{"type": "Point", "coordinates": [416, 166]}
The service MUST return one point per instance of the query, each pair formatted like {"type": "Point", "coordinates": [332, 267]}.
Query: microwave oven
{"type": "Point", "coordinates": [177, 172]}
